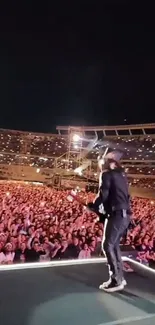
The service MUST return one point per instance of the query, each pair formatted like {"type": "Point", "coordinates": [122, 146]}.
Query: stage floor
{"type": "Point", "coordinates": [69, 295]}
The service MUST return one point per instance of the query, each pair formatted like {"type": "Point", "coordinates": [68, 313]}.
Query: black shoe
{"type": "Point", "coordinates": [113, 287]}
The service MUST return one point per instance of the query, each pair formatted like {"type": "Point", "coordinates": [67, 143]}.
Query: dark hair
{"type": "Point", "coordinates": [111, 161]}
{"type": "Point", "coordinates": [83, 245]}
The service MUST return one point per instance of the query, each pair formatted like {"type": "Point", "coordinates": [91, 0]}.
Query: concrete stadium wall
{"type": "Point", "coordinates": [138, 176]}
{"type": "Point", "coordinates": [142, 192]}
{"type": "Point", "coordinates": [25, 173]}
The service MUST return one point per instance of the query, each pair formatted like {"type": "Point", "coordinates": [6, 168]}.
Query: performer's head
{"type": "Point", "coordinates": [110, 161]}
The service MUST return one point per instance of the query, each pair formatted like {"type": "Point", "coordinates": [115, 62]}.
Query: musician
{"type": "Point", "coordinates": [114, 196]}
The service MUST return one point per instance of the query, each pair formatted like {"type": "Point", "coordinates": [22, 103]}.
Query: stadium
{"type": "Point", "coordinates": [77, 183]}
{"type": "Point", "coordinates": [54, 158]}
{"type": "Point", "coordinates": [41, 228]}
{"type": "Point", "coordinates": [57, 163]}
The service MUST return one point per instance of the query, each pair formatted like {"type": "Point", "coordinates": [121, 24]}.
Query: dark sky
{"type": "Point", "coordinates": [76, 62]}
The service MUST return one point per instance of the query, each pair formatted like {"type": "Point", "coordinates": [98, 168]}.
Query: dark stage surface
{"type": "Point", "coordinates": [69, 295]}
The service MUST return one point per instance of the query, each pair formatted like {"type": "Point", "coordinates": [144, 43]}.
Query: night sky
{"type": "Point", "coordinates": [76, 63]}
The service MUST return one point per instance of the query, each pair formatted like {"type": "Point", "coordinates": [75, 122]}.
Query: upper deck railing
{"type": "Point", "coordinates": [117, 130]}
{"type": "Point", "coordinates": [131, 130]}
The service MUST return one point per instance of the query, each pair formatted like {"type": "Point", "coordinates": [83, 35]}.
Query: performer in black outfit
{"type": "Point", "coordinates": [114, 196]}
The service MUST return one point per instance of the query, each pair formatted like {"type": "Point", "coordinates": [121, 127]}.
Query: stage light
{"type": "Point", "coordinates": [78, 171]}
{"type": "Point", "coordinates": [38, 170]}
{"type": "Point", "coordinates": [76, 137]}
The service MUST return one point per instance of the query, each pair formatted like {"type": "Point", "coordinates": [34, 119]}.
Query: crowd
{"type": "Point", "coordinates": [40, 150]}
{"type": "Point", "coordinates": [141, 235]}
{"type": "Point", "coordinates": [147, 170]}
{"type": "Point", "coordinates": [134, 147]}
{"type": "Point", "coordinates": [142, 182]}
{"type": "Point", "coordinates": [38, 223]}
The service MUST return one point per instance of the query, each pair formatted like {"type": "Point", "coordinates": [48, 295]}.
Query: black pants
{"type": "Point", "coordinates": [116, 226]}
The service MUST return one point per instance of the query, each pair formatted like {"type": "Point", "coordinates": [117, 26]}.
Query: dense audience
{"type": "Point", "coordinates": [134, 147]}
{"type": "Point", "coordinates": [148, 170]}
{"type": "Point", "coordinates": [40, 150]}
{"type": "Point", "coordinates": [142, 230]}
{"type": "Point", "coordinates": [148, 183]}
{"type": "Point", "coordinates": [38, 223]}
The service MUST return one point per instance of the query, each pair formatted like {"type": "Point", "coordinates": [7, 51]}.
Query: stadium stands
{"type": "Point", "coordinates": [38, 223]}
{"type": "Point", "coordinates": [14, 145]}
{"type": "Point", "coordinates": [37, 157]}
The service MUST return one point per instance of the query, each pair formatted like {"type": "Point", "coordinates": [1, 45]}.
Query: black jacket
{"type": "Point", "coordinates": [113, 192]}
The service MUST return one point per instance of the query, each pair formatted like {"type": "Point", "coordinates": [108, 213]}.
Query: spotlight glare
{"type": "Point", "coordinates": [78, 171]}
{"type": "Point", "coordinates": [76, 137]}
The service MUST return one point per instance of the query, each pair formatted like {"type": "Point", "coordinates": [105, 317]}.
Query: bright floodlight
{"type": "Point", "coordinates": [76, 137]}
{"type": "Point", "coordinates": [78, 171]}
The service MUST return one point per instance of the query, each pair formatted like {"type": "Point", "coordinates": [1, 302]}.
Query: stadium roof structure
{"type": "Point", "coordinates": [131, 130]}
{"type": "Point", "coordinates": [107, 130]}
